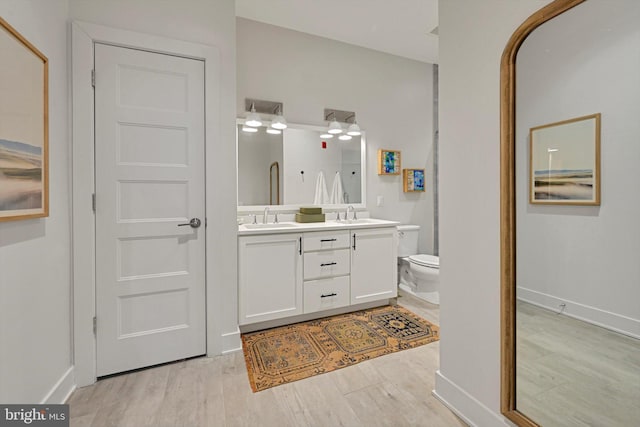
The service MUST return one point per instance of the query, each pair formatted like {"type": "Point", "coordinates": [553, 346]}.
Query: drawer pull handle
{"type": "Point", "coordinates": [328, 295]}
{"type": "Point", "coordinates": [327, 263]}
{"type": "Point", "coordinates": [328, 240]}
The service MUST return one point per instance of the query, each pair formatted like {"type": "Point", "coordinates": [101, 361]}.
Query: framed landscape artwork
{"type": "Point", "coordinates": [24, 184]}
{"type": "Point", "coordinates": [388, 162]}
{"type": "Point", "coordinates": [412, 180]}
{"type": "Point", "coordinates": [565, 162]}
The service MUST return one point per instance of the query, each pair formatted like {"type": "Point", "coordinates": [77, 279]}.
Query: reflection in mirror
{"type": "Point", "coordinates": [293, 168]}
{"type": "Point", "coordinates": [274, 183]}
{"type": "Point", "coordinates": [577, 275]}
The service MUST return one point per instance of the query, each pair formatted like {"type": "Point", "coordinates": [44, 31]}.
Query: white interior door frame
{"type": "Point", "coordinates": [83, 37]}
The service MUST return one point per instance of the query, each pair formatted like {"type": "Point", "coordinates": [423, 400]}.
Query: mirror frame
{"type": "Point", "coordinates": [508, 207]}
{"type": "Point", "coordinates": [245, 209]}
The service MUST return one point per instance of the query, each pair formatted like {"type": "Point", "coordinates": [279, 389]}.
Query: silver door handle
{"type": "Point", "coordinates": [194, 223]}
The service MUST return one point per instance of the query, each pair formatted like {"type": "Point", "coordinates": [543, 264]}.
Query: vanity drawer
{"type": "Point", "coordinates": [326, 263]}
{"type": "Point", "coordinates": [325, 294]}
{"type": "Point", "coordinates": [319, 241]}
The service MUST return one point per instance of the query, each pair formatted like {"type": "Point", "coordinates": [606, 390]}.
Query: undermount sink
{"type": "Point", "coordinates": [362, 221]}
{"type": "Point", "coordinates": [271, 225]}
{"type": "Point", "coordinates": [357, 221]}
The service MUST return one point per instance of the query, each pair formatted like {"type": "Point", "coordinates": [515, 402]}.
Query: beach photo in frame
{"type": "Point", "coordinates": [388, 162]}
{"type": "Point", "coordinates": [412, 180]}
{"type": "Point", "coordinates": [24, 181]}
{"type": "Point", "coordinates": [564, 162]}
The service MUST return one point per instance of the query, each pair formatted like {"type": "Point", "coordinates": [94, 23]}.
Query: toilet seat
{"type": "Point", "coordinates": [425, 260]}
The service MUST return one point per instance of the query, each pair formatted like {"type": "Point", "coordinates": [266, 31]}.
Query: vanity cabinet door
{"type": "Point", "coordinates": [373, 264]}
{"type": "Point", "coordinates": [269, 276]}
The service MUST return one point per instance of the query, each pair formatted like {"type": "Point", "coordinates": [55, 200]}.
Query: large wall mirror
{"type": "Point", "coordinates": [284, 171]}
{"type": "Point", "coordinates": [571, 271]}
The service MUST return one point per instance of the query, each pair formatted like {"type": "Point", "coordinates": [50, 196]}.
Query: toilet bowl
{"type": "Point", "coordinates": [419, 274]}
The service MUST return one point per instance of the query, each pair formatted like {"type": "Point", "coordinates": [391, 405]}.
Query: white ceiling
{"type": "Point", "coordinates": [398, 27]}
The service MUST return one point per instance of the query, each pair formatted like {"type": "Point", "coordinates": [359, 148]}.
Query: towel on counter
{"type": "Point", "coordinates": [322, 195]}
{"type": "Point", "coordinates": [337, 194]}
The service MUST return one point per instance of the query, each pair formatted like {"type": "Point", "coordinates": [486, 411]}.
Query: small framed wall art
{"type": "Point", "coordinates": [565, 162]}
{"type": "Point", "coordinates": [412, 180]}
{"type": "Point", "coordinates": [388, 162]}
{"type": "Point", "coordinates": [24, 184]}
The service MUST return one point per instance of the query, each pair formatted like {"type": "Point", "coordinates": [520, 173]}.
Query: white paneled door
{"type": "Point", "coordinates": [150, 208]}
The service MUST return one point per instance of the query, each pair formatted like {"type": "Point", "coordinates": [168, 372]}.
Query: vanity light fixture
{"type": "Point", "coordinates": [253, 118]}
{"type": "Point", "coordinates": [269, 108]}
{"type": "Point", "coordinates": [326, 136]}
{"type": "Point", "coordinates": [335, 128]}
{"type": "Point", "coordinates": [249, 129]}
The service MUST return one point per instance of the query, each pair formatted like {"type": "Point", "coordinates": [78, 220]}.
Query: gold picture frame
{"type": "Point", "coordinates": [413, 180]}
{"type": "Point", "coordinates": [24, 134]}
{"type": "Point", "coordinates": [564, 162]}
{"type": "Point", "coordinates": [388, 162]}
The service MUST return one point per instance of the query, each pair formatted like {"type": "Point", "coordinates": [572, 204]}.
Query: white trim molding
{"type": "Point", "coordinates": [231, 342]}
{"type": "Point", "coordinates": [595, 316]}
{"type": "Point", "coordinates": [83, 37]}
{"type": "Point", "coordinates": [468, 408]}
{"type": "Point", "coordinates": [62, 389]}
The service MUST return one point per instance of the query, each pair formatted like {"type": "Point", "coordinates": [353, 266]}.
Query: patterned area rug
{"type": "Point", "coordinates": [293, 352]}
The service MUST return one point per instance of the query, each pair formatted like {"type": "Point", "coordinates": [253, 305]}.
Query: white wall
{"type": "Point", "coordinates": [391, 96]}
{"type": "Point", "coordinates": [473, 36]}
{"type": "Point", "coordinates": [210, 23]}
{"type": "Point", "coordinates": [35, 254]}
{"type": "Point", "coordinates": [583, 62]}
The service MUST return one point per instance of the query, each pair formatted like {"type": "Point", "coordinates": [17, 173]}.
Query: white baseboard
{"type": "Point", "coordinates": [231, 342]}
{"type": "Point", "coordinates": [606, 319]}
{"type": "Point", "coordinates": [62, 389]}
{"type": "Point", "coordinates": [465, 406]}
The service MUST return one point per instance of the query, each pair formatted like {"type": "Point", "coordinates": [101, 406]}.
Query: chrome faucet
{"type": "Point", "coordinates": [346, 214]}
{"type": "Point", "coordinates": [275, 217]}
{"type": "Point", "coordinates": [266, 213]}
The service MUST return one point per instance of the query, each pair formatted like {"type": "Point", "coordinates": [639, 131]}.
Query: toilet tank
{"type": "Point", "coordinates": [408, 240]}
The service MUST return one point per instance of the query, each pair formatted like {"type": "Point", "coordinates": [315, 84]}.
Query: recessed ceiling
{"type": "Point", "coordinates": [402, 27]}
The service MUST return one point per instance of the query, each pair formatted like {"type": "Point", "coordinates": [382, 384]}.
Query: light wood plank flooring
{"type": "Point", "coordinates": [392, 390]}
{"type": "Point", "coordinates": [572, 373]}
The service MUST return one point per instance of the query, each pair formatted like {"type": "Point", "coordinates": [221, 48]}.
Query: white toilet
{"type": "Point", "coordinates": [418, 274]}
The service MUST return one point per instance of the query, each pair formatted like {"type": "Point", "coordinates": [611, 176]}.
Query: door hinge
{"type": "Point", "coordinates": [93, 78]}
{"type": "Point", "coordinates": [93, 202]}
{"type": "Point", "coordinates": [95, 325]}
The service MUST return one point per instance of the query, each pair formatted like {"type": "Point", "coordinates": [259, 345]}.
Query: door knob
{"type": "Point", "coordinates": [194, 223]}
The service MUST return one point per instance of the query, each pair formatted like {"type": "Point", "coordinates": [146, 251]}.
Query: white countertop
{"type": "Point", "coordinates": [298, 227]}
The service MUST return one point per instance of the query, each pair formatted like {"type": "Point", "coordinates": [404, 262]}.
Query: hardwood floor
{"type": "Point", "coordinates": [392, 390]}
{"type": "Point", "coordinates": [572, 373]}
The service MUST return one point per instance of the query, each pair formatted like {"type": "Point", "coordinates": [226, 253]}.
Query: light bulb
{"type": "Point", "coordinates": [253, 118]}
{"type": "Point", "coordinates": [335, 127]}
{"type": "Point", "coordinates": [354, 130]}
{"type": "Point", "coordinates": [279, 122]}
